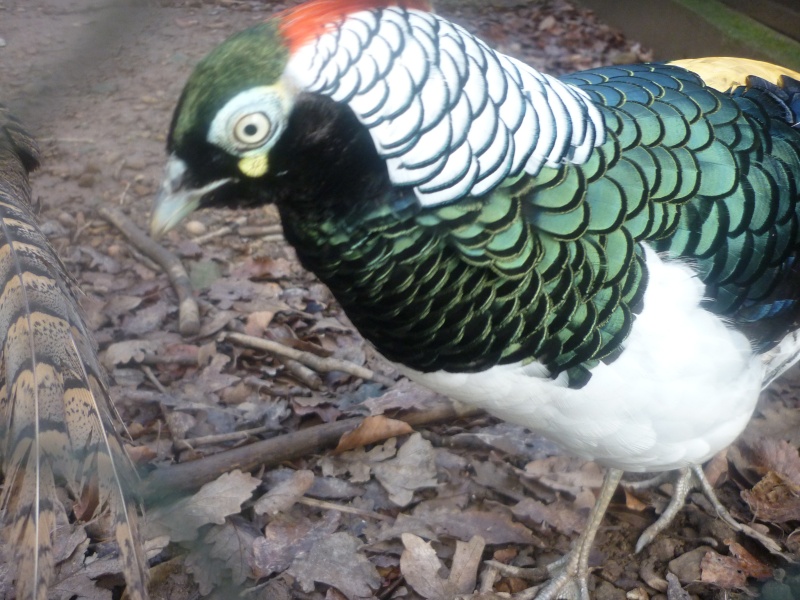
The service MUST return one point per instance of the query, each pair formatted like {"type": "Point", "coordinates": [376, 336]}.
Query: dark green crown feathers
{"type": "Point", "coordinates": [251, 58]}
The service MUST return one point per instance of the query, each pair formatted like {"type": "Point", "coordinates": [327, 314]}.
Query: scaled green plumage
{"type": "Point", "coordinates": [555, 272]}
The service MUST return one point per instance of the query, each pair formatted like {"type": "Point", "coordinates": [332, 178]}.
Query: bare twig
{"type": "Point", "coordinates": [303, 374]}
{"type": "Point", "coordinates": [154, 380]}
{"type": "Point", "coordinates": [189, 313]}
{"type": "Point", "coordinates": [262, 231]}
{"type": "Point", "coordinates": [190, 476]}
{"type": "Point", "coordinates": [67, 140]}
{"type": "Point", "coordinates": [317, 363]}
{"type": "Point", "coordinates": [351, 510]}
{"type": "Point", "coordinates": [166, 359]}
{"type": "Point", "coordinates": [220, 438]}
{"type": "Point", "coordinates": [224, 230]}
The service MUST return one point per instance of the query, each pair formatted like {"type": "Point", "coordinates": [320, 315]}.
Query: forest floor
{"type": "Point", "coordinates": [97, 83]}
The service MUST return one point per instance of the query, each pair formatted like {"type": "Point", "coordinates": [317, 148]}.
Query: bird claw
{"type": "Point", "coordinates": [688, 478]}
{"type": "Point", "coordinates": [570, 578]}
{"type": "Point", "coordinates": [566, 578]}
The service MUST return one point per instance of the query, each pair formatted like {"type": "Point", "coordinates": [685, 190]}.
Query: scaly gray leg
{"type": "Point", "coordinates": [571, 573]}
{"type": "Point", "coordinates": [681, 489]}
{"type": "Point", "coordinates": [723, 513]}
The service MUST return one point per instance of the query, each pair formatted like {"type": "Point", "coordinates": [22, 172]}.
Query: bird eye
{"type": "Point", "coordinates": [252, 129]}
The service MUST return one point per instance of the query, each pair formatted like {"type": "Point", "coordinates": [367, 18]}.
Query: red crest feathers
{"type": "Point", "coordinates": [310, 19]}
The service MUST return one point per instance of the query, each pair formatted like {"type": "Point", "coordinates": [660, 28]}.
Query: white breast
{"type": "Point", "coordinates": [683, 388]}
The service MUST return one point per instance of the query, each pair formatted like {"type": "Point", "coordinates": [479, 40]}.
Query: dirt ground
{"type": "Point", "coordinates": [97, 82]}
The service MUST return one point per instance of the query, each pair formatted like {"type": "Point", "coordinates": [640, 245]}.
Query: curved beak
{"type": "Point", "coordinates": [176, 199]}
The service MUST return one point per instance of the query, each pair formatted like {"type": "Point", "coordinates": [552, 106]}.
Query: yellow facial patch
{"type": "Point", "coordinates": [254, 166]}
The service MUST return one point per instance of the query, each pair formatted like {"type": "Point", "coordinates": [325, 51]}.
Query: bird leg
{"type": "Point", "coordinates": [681, 489]}
{"type": "Point", "coordinates": [570, 574]}
{"type": "Point", "coordinates": [688, 478]}
{"type": "Point", "coordinates": [723, 513]}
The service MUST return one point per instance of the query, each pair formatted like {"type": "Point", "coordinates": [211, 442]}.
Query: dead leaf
{"type": "Point", "coordinates": [147, 319]}
{"type": "Point", "coordinates": [224, 556]}
{"type": "Point", "coordinates": [263, 267]}
{"type": "Point", "coordinates": [217, 323]}
{"type": "Point", "coordinates": [776, 455]}
{"type": "Point", "coordinates": [211, 504]}
{"type": "Point", "coordinates": [358, 462]}
{"type": "Point", "coordinates": [724, 571]}
{"type": "Point", "coordinates": [122, 353]}
{"type": "Point", "coordinates": [257, 322]}
{"type": "Point", "coordinates": [284, 495]}
{"type": "Point", "coordinates": [749, 563]}
{"type": "Point", "coordinates": [372, 430]}
{"type": "Point", "coordinates": [121, 305]}
{"type": "Point", "coordinates": [774, 499]}
{"type": "Point", "coordinates": [565, 473]}
{"type": "Point", "coordinates": [212, 379]}
{"type": "Point", "coordinates": [405, 395]}
{"type": "Point", "coordinates": [632, 502]}
{"type": "Point", "coordinates": [335, 560]}
{"type": "Point", "coordinates": [423, 570]}
{"type": "Point", "coordinates": [433, 521]}
{"type": "Point", "coordinates": [560, 515]}
{"type": "Point", "coordinates": [411, 470]}
{"type": "Point", "coordinates": [285, 540]}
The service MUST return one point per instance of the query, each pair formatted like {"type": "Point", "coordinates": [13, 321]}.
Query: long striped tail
{"type": "Point", "coordinates": [56, 417]}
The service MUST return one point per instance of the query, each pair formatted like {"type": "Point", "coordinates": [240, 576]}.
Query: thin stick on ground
{"type": "Point", "coordinates": [188, 311]}
{"type": "Point", "coordinates": [187, 477]}
{"type": "Point", "coordinates": [220, 438]}
{"type": "Point", "coordinates": [318, 363]}
{"type": "Point", "coordinates": [352, 510]}
{"type": "Point", "coordinates": [224, 230]}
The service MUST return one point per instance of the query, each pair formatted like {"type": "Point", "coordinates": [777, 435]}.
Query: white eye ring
{"type": "Point", "coordinates": [252, 129]}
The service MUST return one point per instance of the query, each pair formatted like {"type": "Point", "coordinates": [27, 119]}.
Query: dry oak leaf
{"type": "Point", "coordinates": [122, 353]}
{"type": "Point", "coordinates": [774, 499]}
{"type": "Point", "coordinates": [225, 554]}
{"type": "Point", "coordinates": [335, 561]}
{"type": "Point", "coordinates": [211, 504]}
{"type": "Point", "coordinates": [284, 495]}
{"type": "Point", "coordinates": [423, 570]}
{"type": "Point", "coordinates": [724, 571]}
{"type": "Point", "coordinates": [412, 469]}
{"type": "Point", "coordinates": [372, 430]}
{"type": "Point", "coordinates": [561, 515]}
{"type": "Point", "coordinates": [286, 539]}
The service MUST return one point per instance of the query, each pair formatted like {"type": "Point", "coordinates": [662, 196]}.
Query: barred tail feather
{"type": "Point", "coordinates": [56, 419]}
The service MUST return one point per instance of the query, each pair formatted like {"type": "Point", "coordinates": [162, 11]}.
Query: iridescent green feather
{"type": "Point", "coordinates": [551, 267]}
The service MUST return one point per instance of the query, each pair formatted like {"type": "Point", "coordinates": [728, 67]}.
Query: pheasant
{"type": "Point", "coordinates": [56, 418]}
{"type": "Point", "coordinates": [607, 258]}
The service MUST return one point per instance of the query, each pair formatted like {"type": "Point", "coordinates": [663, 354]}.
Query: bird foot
{"type": "Point", "coordinates": [569, 576]}
{"type": "Point", "coordinates": [688, 478]}
{"type": "Point", "coordinates": [566, 579]}
{"type": "Point", "coordinates": [681, 489]}
{"type": "Point", "coordinates": [708, 491]}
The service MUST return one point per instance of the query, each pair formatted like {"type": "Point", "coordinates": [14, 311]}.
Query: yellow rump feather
{"type": "Point", "coordinates": [724, 73]}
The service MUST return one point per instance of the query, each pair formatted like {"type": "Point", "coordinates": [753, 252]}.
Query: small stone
{"type": "Point", "coordinates": [66, 219]}
{"type": "Point", "coordinates": [687, 566]}
{"type": "Point", "coordinates": [86, 180]}
{"type": "Point", "coordinates": [196, 228]}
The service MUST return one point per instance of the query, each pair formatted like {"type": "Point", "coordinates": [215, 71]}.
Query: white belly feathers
{"type": "Point", "coordinates": [683, 388]}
